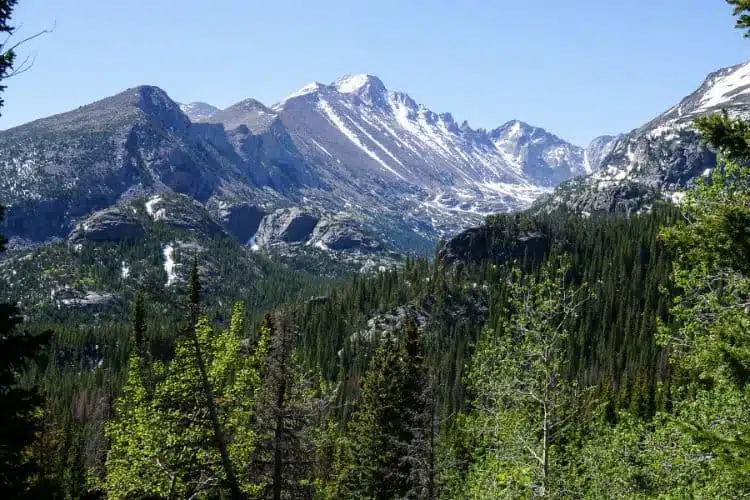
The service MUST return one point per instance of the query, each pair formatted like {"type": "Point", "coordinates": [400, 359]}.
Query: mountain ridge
{"type": "Point", "coordinates": [352, 147]}
{"type": "Point", "coordinates": [657, 161]}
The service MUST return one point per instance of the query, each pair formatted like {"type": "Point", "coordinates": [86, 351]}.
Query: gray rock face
{"type": "Point", "coordinates": [241, 220]}
{"type": "Point", "coordinates": [55, 170]}
{"type": "Point", "coordinates": [198, 111]}
{"type": "Point", "coordinates": [661, 158]}
{"type": "Point", "coordinates": [287, 225]}
{"type": "Point", "coordinates": [342, 235]}
{"type": "Point", "coordinates": [111, 224]}
{"type": "Point", "coordinates": [544, 157]}
{"type": "Point", "coordinates": [91, 300]}
{"type": "Point", "coordinates": [597, 151]}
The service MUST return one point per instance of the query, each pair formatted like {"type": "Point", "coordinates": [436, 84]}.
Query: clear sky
{"type": "Point", "coordinates": [579, 68]}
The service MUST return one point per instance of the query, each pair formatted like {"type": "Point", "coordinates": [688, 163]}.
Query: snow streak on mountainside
{"type": "Point", "coordinates": [661, 158]}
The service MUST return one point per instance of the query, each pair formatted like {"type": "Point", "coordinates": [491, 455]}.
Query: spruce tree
{"type": "Point", "coordinates": [285, 413]}
{"type": "Point", "coordinates": [194, 297]}
{"type": "Point", "coordinates": [378, 460]}
{"type": "Point", "coordinates": [19, 406]}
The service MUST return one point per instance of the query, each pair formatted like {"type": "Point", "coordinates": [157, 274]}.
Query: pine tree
{"type": "Point", "coordinates": [163, 442]}
{"type": "Point", "coordinates": [219, 437]}
{"type": "Point", "coordinates": [20, 406]}
{"type": "Point", "coordinates": [378, 458]}
{"type": "Point", "coordinates": [742, 12]}
{"type": "Point", "coordinates": [709, 340]}
{"type": "Point", "coordinates": [285, 413]}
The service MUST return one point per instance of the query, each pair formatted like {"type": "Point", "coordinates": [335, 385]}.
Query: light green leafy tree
{"type": "Point", "coordinates": [522, 402]}
{"type": "Point", "coordinates": [164, 446]}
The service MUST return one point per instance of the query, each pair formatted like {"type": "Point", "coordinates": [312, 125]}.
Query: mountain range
{"type": "Point", "coordinates": [349, 150]}
{"type": "Point", "coordinates": [391, 173]}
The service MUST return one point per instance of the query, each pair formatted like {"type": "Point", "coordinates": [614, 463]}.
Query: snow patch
{"type": "Point", "coordinates": [677, 197]}
{"type": "Point", "coordinates": [310, 88]}
{"type": "Point", "coordinates": [252, 244]}
{"type": "Point", "coordinates": [155, 214]}
{"type": "Point", "coordinates": [322, 148]}
{"type": "Point", "coordinates": [169, 264]}
{"type": "Point", "coordinates": [351, 84]}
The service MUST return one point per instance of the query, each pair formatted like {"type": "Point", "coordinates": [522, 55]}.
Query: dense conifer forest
{"type": "Point", "coordinates": [539, 355]}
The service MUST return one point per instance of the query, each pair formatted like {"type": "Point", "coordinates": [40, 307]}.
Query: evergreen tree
{"type": "Point", "coordinates": [219, 437]}
{"type": "Point", "coordinates": [378, 458]}
{"type": "Point", "coordinates": [285, 414]}
{"type": "Point", "coordinates": [165, 445]}
{"type": "Point", "coordinates": [20, 406]}
{"type": "Point", "coordinates": [742, 12]}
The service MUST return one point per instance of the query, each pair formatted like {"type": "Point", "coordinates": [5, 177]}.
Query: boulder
{"type": "Point", "coordinates": [181, 211]}
{"type": "Point", "coordinates": [91, 300]}
{"type": "Point", "coordinates": [241, 220]}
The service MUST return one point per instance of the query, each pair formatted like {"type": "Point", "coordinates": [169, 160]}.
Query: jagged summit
{"type": "Point", "coordinates": [368, 88]}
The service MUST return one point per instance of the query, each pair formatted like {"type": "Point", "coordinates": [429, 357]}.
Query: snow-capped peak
{"type": "Point", "coordinates": [368, 88]}
{"type": "Point", "coordinates": [352, 84]}
{"type": "Point", "coordinates": [310, 88]}
{"type": "Point", "coordinates": [725, 85]}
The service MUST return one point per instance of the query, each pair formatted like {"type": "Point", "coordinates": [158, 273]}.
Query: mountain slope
{"type": "Point", "coordinates": [425, 156]}
{"type": "Point", "coordinates": [660, 158]}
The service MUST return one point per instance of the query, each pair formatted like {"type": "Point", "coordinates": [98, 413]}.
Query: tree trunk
{"type": "Point", "coordinates": [278, 441]}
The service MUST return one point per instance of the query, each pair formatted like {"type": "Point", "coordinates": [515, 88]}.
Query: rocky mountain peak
{"type": "Point", "coordinates": [198, 111]}
{"type": "Point", "coordinates": [154, 100]}
{"type": "Point", "coordinates": [370, 89]}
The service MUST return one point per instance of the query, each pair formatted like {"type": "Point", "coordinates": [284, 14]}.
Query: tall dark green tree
{"type": "Point", "coordinates": [286, 411]}
{"type": "Point", "coordinates": [378, 457]}
{"type": "Point", "coordinates": [19, 406]}
{"type": "Point", "coordinates": [742, 12]}
{"type": "Point", "coordinates": [194, 297]}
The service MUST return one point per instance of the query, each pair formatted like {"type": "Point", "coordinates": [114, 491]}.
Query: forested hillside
{"type": "Point", "coordinates": [554, 355]}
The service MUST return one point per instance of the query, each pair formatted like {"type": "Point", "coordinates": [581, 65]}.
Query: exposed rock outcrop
{"type": "Point", "coordinates": [110, 224]}
{"type": "Point", "coordinates": [287, 225]}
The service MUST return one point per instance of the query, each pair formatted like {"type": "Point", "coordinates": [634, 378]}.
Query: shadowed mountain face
{"type": "Point", "coordinates": [352, 148]}
{"type": "Point", "coordinates": [661, 158]}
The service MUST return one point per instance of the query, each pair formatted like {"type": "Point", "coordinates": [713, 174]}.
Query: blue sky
{"type": "Point", "coordinates": [579, 68]}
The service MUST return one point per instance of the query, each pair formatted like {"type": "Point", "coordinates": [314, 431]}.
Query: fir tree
{"type": "Point", "coordinates": [285, 412]}
{"type": "Point", "coordinates": [378, 457]}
